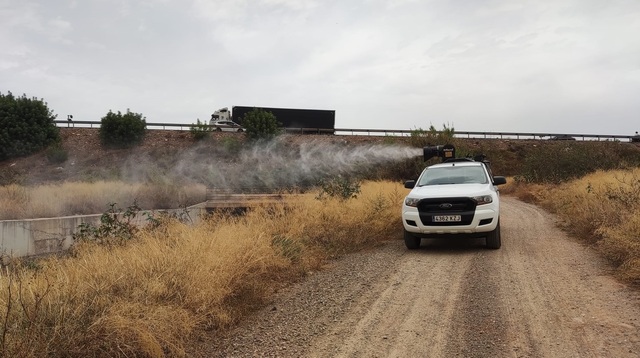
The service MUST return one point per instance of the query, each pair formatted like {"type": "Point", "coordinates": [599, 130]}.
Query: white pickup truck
{"type": "Point", "coordinates": [458, 197]}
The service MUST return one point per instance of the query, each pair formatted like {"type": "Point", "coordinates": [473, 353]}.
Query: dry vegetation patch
{"type": "Point", "coordinates": [602, 207]}
{"type": "Point", "coordinates": [82, 198]}
{"type": "Point", "coordinates": [152, 295]}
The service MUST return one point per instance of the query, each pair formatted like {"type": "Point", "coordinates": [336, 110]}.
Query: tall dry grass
{"type": "Point", "coordinates": [156, 293]}
{"type": "Point", "coordinates": [78, 198]}
{"type": "Point", "coordinates": [602, 207]}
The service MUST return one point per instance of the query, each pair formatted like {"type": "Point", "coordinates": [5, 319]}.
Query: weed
{"type": "Point", "coordinates": [602, 208]}
{"type": "Point", "coordinates": [422, 138]}
{"type": "Point", "coordinates": [56, 154]}
{"type": "Point", "coordinates": [168, 285]}
{"type": "Point", "coordinates": [200, 130]}
{"type": "Point", "coordinates": [115, 226]}
{"type": "Point", "coordinates": [288, 248]}
{"type": "Point", "coordinates": [626, 191]}
{"type": "Point", "coordinates": [378, 203]}
{"type": "Point", "coordinates": [339, 187]}
{"type": "Point", "coordinates": [231, 144]}
{"type": "Point", "coordinates": [390, 140]}
{"type": "Point", "coordinates": [81, 198]}
{"type": "Point", "coordinates": [23, 308]}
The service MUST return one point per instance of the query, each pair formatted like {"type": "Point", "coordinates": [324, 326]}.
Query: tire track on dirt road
{"type": "Point", "coordinates": [542, 294]}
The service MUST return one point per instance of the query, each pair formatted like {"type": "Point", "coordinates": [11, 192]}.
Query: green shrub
{"type": "Point", "coordinates": [115, 226]}
{"type": "Point", "coordinates": [200, 130]}
{"type": "Point", "coordinates": [231, 144]}
{"type": "Point", "coordinates": [342, 188]}
{"type": "Point", "coordinates": [261, 124]}
{"type": "Point", "coordinates": [422, 138]}
{"type": "Point", "coordinates": [26, 126]}
{"type": "Point", "coordinates": [122, 130]}
{"type": "Point", "coordinates": [56, 154]}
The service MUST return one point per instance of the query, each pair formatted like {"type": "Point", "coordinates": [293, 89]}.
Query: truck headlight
{"type": "Point", "coordinates": [483, 199]}
{"type": "Point", "coordinates": [411, 201]}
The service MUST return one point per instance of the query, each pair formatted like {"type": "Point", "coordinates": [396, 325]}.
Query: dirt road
{"type": "Point", "coordinates": [541, 295]}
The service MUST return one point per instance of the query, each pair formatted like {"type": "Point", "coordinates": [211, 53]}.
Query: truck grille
{"type": "Point", "coordinates": [465, 207]}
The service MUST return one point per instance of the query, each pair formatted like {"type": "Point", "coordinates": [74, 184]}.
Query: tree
{"type": "Point", "coordinates": [260, 124]}
{"type": "Point", "coordinates": [26, 126]}
{"type": "Point", "coordinates": [122, 130]}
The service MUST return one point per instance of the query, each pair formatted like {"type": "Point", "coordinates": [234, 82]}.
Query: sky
{"type": "Point", "coordinates": [542, 66]}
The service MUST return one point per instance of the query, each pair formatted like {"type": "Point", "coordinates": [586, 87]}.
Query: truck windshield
{"type": "Point", "coordinates": [453, 175]}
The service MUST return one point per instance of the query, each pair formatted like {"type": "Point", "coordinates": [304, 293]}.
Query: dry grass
{"type": "Point", "coordinates": [76, 198]}
{"type": "Point", "coordinates": [602, 207]}
{"type": "Point", "coordinates": [153, 295]}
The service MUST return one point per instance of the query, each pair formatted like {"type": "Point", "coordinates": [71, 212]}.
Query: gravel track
{"type": "Point", "coordinates": [541, 295]}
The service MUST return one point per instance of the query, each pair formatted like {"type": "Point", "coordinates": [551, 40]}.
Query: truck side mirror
{"type": "Point", "coordinates": [410, 184]}
{"type": "Point", "coordinates": [498, 180]}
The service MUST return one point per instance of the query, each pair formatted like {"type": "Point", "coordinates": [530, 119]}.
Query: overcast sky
{"type": "Point", "coordinates": [560, 66]}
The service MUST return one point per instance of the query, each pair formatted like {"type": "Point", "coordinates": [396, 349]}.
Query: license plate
{"type": "Point", "coordinates": [446, 218]}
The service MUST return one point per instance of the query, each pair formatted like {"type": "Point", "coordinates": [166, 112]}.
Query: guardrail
{"type": "Point", "coordinates": [390, 132]}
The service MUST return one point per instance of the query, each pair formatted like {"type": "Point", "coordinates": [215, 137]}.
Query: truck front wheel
{"type": "Point", "coordinates": [410, 241]}
{"type": "Point", "coordinates": [493, 238]}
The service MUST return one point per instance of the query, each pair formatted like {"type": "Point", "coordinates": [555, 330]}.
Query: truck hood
{"type": "Point", "coordinates": [451, 190]}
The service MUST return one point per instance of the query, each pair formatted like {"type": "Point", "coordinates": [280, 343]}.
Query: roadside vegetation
{"type": "Point", "coordinates": [83, 198]}
{"type": "Point", "coordinates": [153, 294]}
{"type": "Point", "coordinates": [26, 126]}
{"type": "Point", "coordinates": [602, 208]}
{"type": "Point", "coordinates": [261, 124]}
{"type": "Point", "coordinates": [122, 130]}
{"type": "Point", "coordinates": [200, 130]}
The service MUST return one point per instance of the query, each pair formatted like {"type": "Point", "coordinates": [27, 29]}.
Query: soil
{"type": "Point", "coordinates": [541, 295]}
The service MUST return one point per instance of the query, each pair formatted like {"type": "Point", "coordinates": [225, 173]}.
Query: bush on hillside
{"type": "Point", "coordinates": [422, 138]}
{"type": "Point", "coordinates": [122, 130]}
{"type": "Point", "coordinates": [56, 154]}
{"type": "Point", "coordinates": [200, 130]}
{"type": "Point", "coordinates": [26, 126]}
{"type": "Point", "coordinates": [261, 124]}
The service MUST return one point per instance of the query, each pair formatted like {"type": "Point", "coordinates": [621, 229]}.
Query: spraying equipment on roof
{"type": "Point", "coordinates": [448, 154]}
{"type": "Point", "coordinates": [445, 152]}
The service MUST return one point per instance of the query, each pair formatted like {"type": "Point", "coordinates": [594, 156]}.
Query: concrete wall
{"type": "Point", "coordinates": [45, 236]}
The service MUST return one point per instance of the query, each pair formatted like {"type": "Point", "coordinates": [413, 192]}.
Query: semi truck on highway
{"type": "Point", "coordinates": [311, 120]}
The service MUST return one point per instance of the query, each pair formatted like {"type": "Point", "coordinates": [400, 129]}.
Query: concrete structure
{"type": "Point", "coordinates": [40, 236]}
{"type": "Point", "coordinates": [32, 237]}
{"type": "Point", "coordinates": [227, 199]}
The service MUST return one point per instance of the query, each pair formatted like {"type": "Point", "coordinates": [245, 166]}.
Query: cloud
{"type": "Point", "coordinates": [483, 65]}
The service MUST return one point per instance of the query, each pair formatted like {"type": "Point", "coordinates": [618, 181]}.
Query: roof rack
{"type": "Point", "coordinates": [454, 160]}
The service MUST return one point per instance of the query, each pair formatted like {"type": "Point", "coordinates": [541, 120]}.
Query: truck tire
{"type": "Point", "coordinates": [410, 241]}
{"type": "Point", "coordinates": [240, 130]}
{"type": "Point", "coordinates": [219, 129]}
{"type": "Point", "coordinates": [493, 238]}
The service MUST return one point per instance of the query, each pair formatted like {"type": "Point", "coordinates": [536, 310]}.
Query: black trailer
{"type": "Point", "coordinates": [311, 120]}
